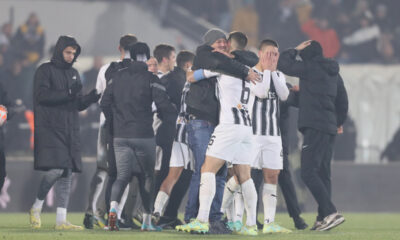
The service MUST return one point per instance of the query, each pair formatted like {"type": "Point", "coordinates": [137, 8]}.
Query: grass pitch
{"type": "Point", "coordinates": [357, 226]}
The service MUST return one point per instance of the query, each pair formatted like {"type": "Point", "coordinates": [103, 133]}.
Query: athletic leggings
{"type": "Point", "coordinates": [62, 178]}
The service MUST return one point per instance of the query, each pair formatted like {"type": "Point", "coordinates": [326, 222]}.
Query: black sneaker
{"type": "Point", "coordinates": [299, 223]}
{"type": "Point", "coordinates": [331, 221]}
{"type": "Point", "coordinates": [127, 224]}
{"type": "Point", "coordinates": [259, 225]}
{"type": "Point", "coordinates": [219, 227]}
{"type": "Point", "coordinates": [155, 217]}
{"type": "Point", "coordinates": [88, 221]}
{"type": "Point", "coordinates": [169, 223]}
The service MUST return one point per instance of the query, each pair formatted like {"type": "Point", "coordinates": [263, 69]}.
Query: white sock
{"type": "Point", "coordinates": [206, 195]}
{"type": "Point", "coordinates": [99, 187]}
{"type": "Point", "coordinates": [230, 212]}
{"type": "Point", "coordinates": [230, 188]}
{"type": "Point", "coordinates": [114, 204]}
{"type": "Point", "coordinates": [269, 201]}
{"type": "Point", "coordinates": [122, 202]}
{"type": "Point", "coordinates": [147, 219]}
{"type": "Point", "coordinates": [250, 201]}
{"type": "Point", "coordinates": [239, 207]}
{"type": "Point", "coordinates": [61, 216]}
{"type": "Point", "coordinates": [38, 204]}
{"type": "Point", "coordinates": [161, 200]}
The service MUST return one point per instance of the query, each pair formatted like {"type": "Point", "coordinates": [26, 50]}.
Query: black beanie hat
{"type": "Point", "coordinates": [311, 51]}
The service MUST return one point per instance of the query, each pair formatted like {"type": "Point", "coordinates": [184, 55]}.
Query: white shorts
{"type": "Point", "coordinates": [181, 156]}
{"type": "Point", "coordinates": [267, 152]}
{"type": "Point", "coordinates": [232, 143]}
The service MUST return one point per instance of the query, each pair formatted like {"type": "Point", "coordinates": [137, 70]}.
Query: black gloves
{"type": "Point", "coordinates": [75, 88]}
{"type": "Point", "coordinates": [93, 96]}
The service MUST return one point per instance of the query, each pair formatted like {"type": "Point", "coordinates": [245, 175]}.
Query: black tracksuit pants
{"type": "Point", "coordinates": [316, 158]}
{"type": "Point", "coordinates": [287, 188]}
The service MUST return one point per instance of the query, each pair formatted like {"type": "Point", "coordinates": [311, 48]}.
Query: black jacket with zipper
{"type": "Point", "coordinates": [322, 99]}
{"type": "Point", "coordinates": [128, 98]}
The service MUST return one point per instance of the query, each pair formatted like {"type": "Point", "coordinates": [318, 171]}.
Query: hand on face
{"type": "Point", "coordinates": [303, 45]}
{"type": "Point", "coordinates": [269, 60]}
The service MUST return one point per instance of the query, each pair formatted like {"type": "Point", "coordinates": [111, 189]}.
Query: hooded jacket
{"type": "Point", "coordinates": [128, 98]}
{"type": "Point", "coordinates": [322, 99]}
{"type": "Point", "coordinates": [57, 141]}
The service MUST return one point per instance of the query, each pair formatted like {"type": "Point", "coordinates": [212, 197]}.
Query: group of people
{"type": "Point", "coordinates": [220, 114]}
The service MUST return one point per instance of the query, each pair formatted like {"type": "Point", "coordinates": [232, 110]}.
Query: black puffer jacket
{"type": "Point", "coordinates": [57, 141]}
{"type": "Point", "coordinates": [322, 100]}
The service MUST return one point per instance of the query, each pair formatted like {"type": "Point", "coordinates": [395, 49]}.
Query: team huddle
{"type": "Point", "coordinates": [218, 114]}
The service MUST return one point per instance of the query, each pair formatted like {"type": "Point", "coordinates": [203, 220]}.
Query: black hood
{"type": "Point", "coordinates": [247, 58]}
{"type": "Point", "coordinates": [136, 67]}
{"type": "Point", "coordinates": [62, 43]}
{"type": "Point", "coordinates": [329, 65]}
{"type": "Point", "coordinates": [139, 48]}
{"type": "Point", "coordinates": [314, 50]}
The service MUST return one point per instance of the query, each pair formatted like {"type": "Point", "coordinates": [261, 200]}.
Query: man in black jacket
{"type": "Point", "coordinates": [57, 101]}
{"type": "Point", "coordinates": [105, 164]}
{"type": "Point", "coordinates": [128, 99]}
{"type": "Point", "coordinates": [323, 106]}
{"type": "Point", "coordinates": [203, 110]}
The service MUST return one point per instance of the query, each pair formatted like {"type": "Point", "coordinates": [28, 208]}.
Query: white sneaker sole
{"type": "Point", "coordinates": [336, 223]}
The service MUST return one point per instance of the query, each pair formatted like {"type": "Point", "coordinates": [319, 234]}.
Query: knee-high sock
{"type": "Point", "coordinates": [230, 189]}
{"type": "Point", "coordinates": [250, 201]}
{"type": "Point", "coordinates": [269, 201]}
{"type": "Point", "coordinates": [239, 207]}
{"type": "Point", "coordinates": [160, 202]}
{"type": "Point", "coordinates": [206, 195]}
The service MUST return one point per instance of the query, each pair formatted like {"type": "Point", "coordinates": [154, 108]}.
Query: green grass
{"type": "Point", "coordinates": [357, 226]}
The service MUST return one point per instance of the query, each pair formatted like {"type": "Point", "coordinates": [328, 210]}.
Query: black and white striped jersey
{"type": "Point", "coordinates": [233, 95]}
{"type": "Point", "coordinates": [181, 134]}
{"type": "Point", "coordinates": [265, 110]}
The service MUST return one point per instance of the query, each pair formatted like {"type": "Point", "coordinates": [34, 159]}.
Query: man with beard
{"type": "Point", "coordinates": [57, 101]}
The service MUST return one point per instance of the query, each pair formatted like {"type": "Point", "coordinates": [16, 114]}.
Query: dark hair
{"type": "Point", "coordinates": [184, 57]}
{"type": "Point", "coordinates": [127, 40]}
{"type": "Point", "coordinates": [239, 37]}
{"type": "Point", "coordinates": [162, 51]}
{"type": "Point", "coordinates": [268, 42]}
{"type": "Point", "coordinates": [138, 49]}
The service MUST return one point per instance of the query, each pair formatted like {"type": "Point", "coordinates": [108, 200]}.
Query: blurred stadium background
{"type": "Point", "coordinates": [363, 35]}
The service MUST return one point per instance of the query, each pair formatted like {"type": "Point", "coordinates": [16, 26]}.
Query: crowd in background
{"type": "Point", "coordinates": [353, 31]}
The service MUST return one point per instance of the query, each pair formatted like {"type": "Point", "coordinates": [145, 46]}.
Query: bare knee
{"type": "Point", "coordinates": [271, 176]}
